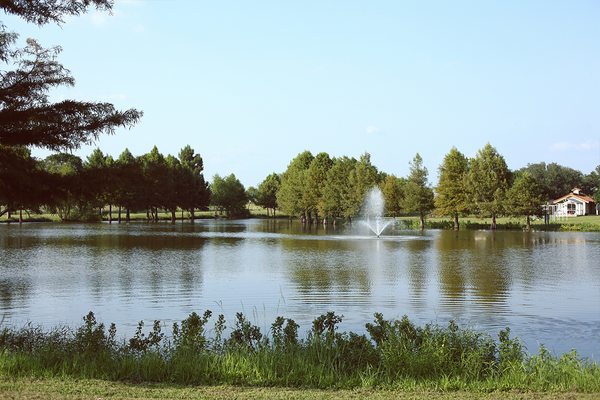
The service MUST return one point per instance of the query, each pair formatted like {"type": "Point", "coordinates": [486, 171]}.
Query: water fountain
{"type": "Point", "coordinates": [373, 212]}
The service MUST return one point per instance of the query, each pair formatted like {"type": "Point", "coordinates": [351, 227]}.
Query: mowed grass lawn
{"type": "Point", "coordinates": [582, 220]}
{"type": "Point", "coordinates": [68, 388]}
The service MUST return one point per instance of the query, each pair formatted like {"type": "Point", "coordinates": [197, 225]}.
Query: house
{"type": "Point", "coordinates": [573, 204]}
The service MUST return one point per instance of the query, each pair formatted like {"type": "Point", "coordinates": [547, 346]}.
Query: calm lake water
{"type": "Point", "coordinates": [545, 286]}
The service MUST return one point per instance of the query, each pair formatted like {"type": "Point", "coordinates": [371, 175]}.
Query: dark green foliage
{"type": "Point", "coordinates": [142, 343]}
{"type": "Point", "coordinates": [245, 335]}
{"type": "Point", "coordinates": [266, 193]}
{"type": "Point", "coordinates": [228, 195]}
{"type": "Point", "coordinates": [30, 119]}
{"type": "Point", "coordinates": [191, 335]}
{"type": "Point", "coordinates": [325, 325]}
{"type": "Point", "coordinates": [290, 196]}
{"type": "Point", "coordinates": [392, 189]}
{"type": "Point", "coordinates": [418, 196]}
{"type": "Point", "coordinates": [524, 197]}
{"type": "Point", "coordinates": [44, 11]}
{"type": "Point", "coordinates": [488, 180]}
{"type": "Point", "coordinates": [451, 193]}
{"type": "Point", "coordinates": [554, 179]}
{"type": "Point", "coordinates": [396, 353]}
{"type": "Point", "coordinates": [23, 183]}
{"type": "Point", "coordinates": [91, 338]}
{"type": "Point", "coordinates": [284, 337]}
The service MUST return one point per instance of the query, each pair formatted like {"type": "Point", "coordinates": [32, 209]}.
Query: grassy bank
{"type": "Point", "coordinates": [588, 223]}
{"type": "Point", "coordinates": [52, 388]}
{"type": "Point", "coordinates": [394, 355]}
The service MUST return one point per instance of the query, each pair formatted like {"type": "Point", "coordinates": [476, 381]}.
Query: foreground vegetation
{"type": "Point", "coordinates": [393, 355]}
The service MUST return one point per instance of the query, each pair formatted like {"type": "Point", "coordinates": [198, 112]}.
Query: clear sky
{"type": "Point", "coordinates": [250, 84]}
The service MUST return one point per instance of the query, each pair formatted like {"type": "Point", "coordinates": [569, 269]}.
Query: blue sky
{"type": "Point", "coordinates": [251, 84]}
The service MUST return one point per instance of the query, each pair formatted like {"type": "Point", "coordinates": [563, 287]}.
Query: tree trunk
{"type": "Point", "coordinates": [493, 226]}
{"type": "Point", "coordinates": [119, 214]}
{"type": "Point", "coordinates": [528, 224]}
{"type": "Point", "coordinates": [110, 213]}
{"type": "Point", "coordinates": [456, 224]}
{"type": "Point", "coordinates": [192, 217]}
{"type": "Point", "coordinates": [421, 221]}
{"type": "Point", "coordinates": [127, 216]}
{"type": "Point", "coordinates": [148, 214]}
{"type": "Point", "coordinates": [20, 216]}
{"type": "Point", "coordinates": [173, 216]}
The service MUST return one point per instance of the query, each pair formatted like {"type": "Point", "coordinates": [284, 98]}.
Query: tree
{"type": "Point", "coordinates": [418, 196]}
{"type": "Point", "coordinates": [43, 11]}
{"type": "Point", "coordinates": [451, 193]}
{"type": "Point", "coordinates": [338, 197]}
{"type": "Point", "coordinates": [28, 117]}
{"type": "Point", "coordinates": [24, 185]}
{"type": "Point", "coordinates": [315, 180]}
{"type": "Point", "coordinates": [290, 197]}
{"type": "Point", "coordinates": [194, 192]}
{"type": "Point", "coordinates": [68, 197]}
{"type": "Point", "coordinates": [98, 182]}
{"type": "Point", "coordinates": [362, 178]}
{"type": "Point", "coordinates": [392, 189]}
{"type": "Point", "coordinates": [488, 181]}
{"type": "Point", "coordinates": [554, 179]}
{"type": "Point", "coordinates": [228, 194]}
{"type": "Point", "coordinates": [266, 193]}
{"type": "Point", "coordinates": [154, 169]}
{"type": "Point", "coordinates": [129, 179]}
{"type": "Point", "coordinates": [524, 197]}
{"type": "Point", "coordinates": [595, 177]}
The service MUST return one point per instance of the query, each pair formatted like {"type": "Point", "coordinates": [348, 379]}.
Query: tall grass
{"type": "Point", "coordinates": [393, 353]}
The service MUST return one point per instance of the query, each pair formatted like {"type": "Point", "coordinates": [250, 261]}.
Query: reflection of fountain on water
{"type": "Point", "coordinates": [373, 212]}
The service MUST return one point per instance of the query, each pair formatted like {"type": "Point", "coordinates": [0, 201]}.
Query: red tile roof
{"type": "Point", "coordinates": [582, 197]}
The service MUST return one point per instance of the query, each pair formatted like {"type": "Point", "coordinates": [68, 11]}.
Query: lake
{"type": "Point", "coordinates": [544, 285]}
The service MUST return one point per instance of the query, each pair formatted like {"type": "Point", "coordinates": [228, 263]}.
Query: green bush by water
{"type": "Point", "coordinates": [393, 353]}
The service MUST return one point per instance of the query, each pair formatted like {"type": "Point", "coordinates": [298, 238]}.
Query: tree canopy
{"type": "Point", "coordinates": [43, 11]}
{"type": "Point", "coordinates": [451, 193]}
{"type": "Point", "coordinates": [266, 193]}
{"type": "Point", "coordinates": [488, 181]}
{"type": "Point", "coordinates": [418, 196]}
{"type": "Point", "coordinates": [28, 117]}
{"type": "Point", "coordinates": [524, 197]}
{"type": "Point", "coordinates": [228, 194]}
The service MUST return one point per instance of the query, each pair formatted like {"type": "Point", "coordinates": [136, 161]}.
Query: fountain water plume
{"type": "Point", "coordinates": [373, 212]}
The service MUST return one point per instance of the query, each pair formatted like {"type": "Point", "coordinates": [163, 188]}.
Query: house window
{"type": "Point", "coordinates": [571, 208]}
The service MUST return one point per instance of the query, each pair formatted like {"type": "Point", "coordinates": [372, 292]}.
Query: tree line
{"type": "Point", "coordinates": [314, 188]}
{"type": "Point", "coordinates": [75, 189]}
{"type": "Point", "coordinates": [319, 187]}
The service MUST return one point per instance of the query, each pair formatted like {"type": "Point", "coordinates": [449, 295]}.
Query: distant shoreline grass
{"type": "Point", "coordinates": [395, 355]}
{"type": "Point", "coordinates": [588, 223]}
